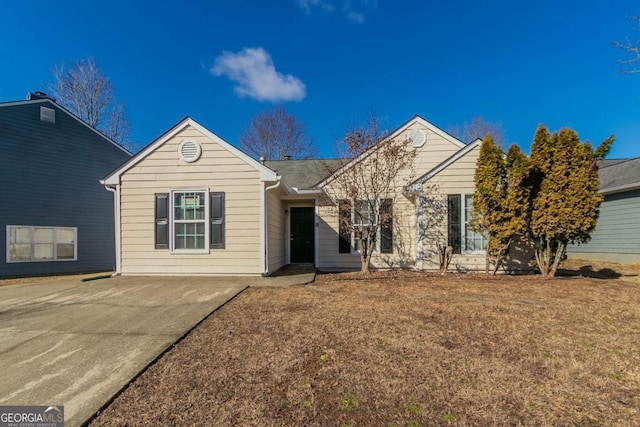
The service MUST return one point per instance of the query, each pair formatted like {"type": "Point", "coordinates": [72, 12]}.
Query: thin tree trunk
{"type": "Point", "coordinates": [501, 257]}
{"type": "Point", "coordinates": [488, 257]}
{"type": "Point", "coordinates": [547, 258]}
{"type": "Point", "coordinates": [365, 261]}
{"type": "Point", "coordinates": [538, 259]}
{"type": "Point", "coordinates": [559, 255]}
{"type": "Point", "coordinates": [543, 259]}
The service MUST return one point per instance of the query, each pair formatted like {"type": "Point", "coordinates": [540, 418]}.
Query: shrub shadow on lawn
{"type": "Point", "coordinates": [590, 272]}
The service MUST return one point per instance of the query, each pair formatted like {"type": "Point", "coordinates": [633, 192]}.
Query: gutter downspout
{"type": "Point", "coordinates": [419, 232]}
{"type": "Point", "coordinates": [265, 240]}
{"type": "Point", "coordinates": [116, 223]}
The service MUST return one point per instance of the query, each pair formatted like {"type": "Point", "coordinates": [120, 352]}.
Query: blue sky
{"type": "Point", "coordinates": [331, 62]}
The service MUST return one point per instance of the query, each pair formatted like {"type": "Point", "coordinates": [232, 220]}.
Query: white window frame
{"type": "Point", "coordinates": [464, 224]}
{"type": "Point", "coordinates": [376, 211]}
{"type": "Point", "coordinates": [32, 242]}
{"type": "Point", "coordinates": [206, 221]}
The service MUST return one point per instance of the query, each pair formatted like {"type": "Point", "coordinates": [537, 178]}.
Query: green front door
{"type": "Point", "coordinates": [302, 235]}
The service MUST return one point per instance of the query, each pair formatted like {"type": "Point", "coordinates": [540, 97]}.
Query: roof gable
{"type": "Point", "coordinates": [402, 128]}
{"type": "Point", "coordinates": [113, 178]}
{"type": "Point", "coordinates": [445, 164]}
{"type": "Point", "coordinates": [62, 109]}
{"type": "Point", "coordinates": [433, 128]}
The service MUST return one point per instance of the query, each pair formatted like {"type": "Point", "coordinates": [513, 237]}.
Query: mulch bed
{"type": "Point", "coordinates": [403, 349]}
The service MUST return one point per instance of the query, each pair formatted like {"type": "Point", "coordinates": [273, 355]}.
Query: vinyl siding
{"type": "Point", "coordinates": [403, 239]}
{"type": "Point", "coordinates": [216, 170]}
{"type": "Point", "coordinates": [617, 233]}
{"type": "Point", "coordinates": [457, 178]}
{"type": "Point", "coordinates": [49, 176]}
{"type": "Point", "coordinates": [433, 152]}
{"type": "Point", "coordinates": [276, 230]}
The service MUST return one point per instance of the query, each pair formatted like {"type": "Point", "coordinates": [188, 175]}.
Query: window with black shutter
{"type": "Point", "coordinates": [344, 211]}
{"type": "Point", "coordinates": [161, 223]}
{"type": "Point", "coordinates": [216, 230]}
{"type": "Point", "coordinates": [453, 220]}
{"type": "Point", "coordinates": [386, 226]}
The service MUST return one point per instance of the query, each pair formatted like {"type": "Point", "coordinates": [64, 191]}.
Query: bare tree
{"type": "Point", "coordinates": [367, 187]}
{"type": "Point", "coordinates": [84, 90]}
{"type": "Point", "coordinates": [630, 65]}
{"type": "Point", "coordinates": [479, 128]}
{"type": "Point", "coordinates": [274, 134]}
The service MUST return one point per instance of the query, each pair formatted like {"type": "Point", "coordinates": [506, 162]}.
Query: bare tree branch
{"type": "Point", "coordinates": [631, 65]}
{"type": "Point", "coordinates": [479, 128]}
{"type": "Point", "coordinates": [370, 185]}
{"type": "Point", "coordinates": [274, 134]}
{"type": "Point", "coordinates": [84, 90]}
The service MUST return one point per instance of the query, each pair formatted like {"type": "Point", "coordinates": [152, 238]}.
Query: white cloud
{"type": "Point", "coordinates": [356, 17]}
{"type": "Point", "coordinates": [350, 8]}
{"type": "Point", "coordinates": [256, 76]}
{"type": "Point", "coordinates": [306, 5]}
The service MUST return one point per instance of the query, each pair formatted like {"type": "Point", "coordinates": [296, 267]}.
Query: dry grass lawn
{"type": "Point", "coordinates": [404, 349]}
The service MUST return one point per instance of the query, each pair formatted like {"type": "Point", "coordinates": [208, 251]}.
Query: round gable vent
{"type": "Point", "coordinates": [417, 137]}
{"type": "Point", "coordinates": [189, 151]}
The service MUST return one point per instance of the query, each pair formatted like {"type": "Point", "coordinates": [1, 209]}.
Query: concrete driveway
{"type": "Point", "coordinates": [64, 342]}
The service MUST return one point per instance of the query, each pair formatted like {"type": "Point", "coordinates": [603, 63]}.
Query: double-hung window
{"type": "Point", "coordinates": [356, 219]}
{"type": "Point", "coordinates": [33, 243]}
{"type": "Point", "coordinates": [461, 237]}
{"type": "Point", "coordinates": [363, 217]}
{"type": "Point", "coordinates": [190, 221]}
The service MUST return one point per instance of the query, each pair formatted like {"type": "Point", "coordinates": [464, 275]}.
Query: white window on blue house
{"type": "Point", "coordinates": [35, 244]}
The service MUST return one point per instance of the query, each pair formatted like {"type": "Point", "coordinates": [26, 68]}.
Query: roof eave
{"type": "Point", "coordinates": [416, 185]}
{"type": "Point", "coordinates": [113, 178]}
{"type": "Point", "coordinates": [416, 118]}
{"type": "Point", "coordinates": [620, 188]}
{"type": "Point", "coordinates": [65, 110]}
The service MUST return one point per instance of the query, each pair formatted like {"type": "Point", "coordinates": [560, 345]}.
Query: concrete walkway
{"type": "Point", "coordinates": [64, 342]}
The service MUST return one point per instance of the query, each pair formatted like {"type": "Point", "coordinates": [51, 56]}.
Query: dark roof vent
{"type": "Point", "coordinates": [38, 95]}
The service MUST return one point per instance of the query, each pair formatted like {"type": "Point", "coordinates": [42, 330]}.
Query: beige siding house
{"type": "Point", "coordinates": [192, 204]}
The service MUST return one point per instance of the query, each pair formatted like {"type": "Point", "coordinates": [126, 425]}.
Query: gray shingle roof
{"type": "Point", "coordinates": [615, 173]}
{"type": "Point", "coordinates": [303, 174]}
{"type": "Point", "coordinates": [610, 162]}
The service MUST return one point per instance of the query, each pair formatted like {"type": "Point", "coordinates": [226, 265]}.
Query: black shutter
{"type": "Point", "coordinates": [455, 235]}
{"type": "Point", "coordinates": [386, 226]}
{"type": "Point", "coordinates": [162, 223]}
{"type": "Point", "coordinates": [216, 214]}
{"type": "Point", "coordinates": [344, 225]}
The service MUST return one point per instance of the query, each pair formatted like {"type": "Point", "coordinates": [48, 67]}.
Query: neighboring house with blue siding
{"type": "Point", "coordinates": [617, 234]}
{"type": "Point", "coordinates": [55, 217]}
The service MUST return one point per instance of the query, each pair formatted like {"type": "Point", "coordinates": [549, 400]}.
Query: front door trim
{"type": "Point", "coordinates": [289, 231]}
